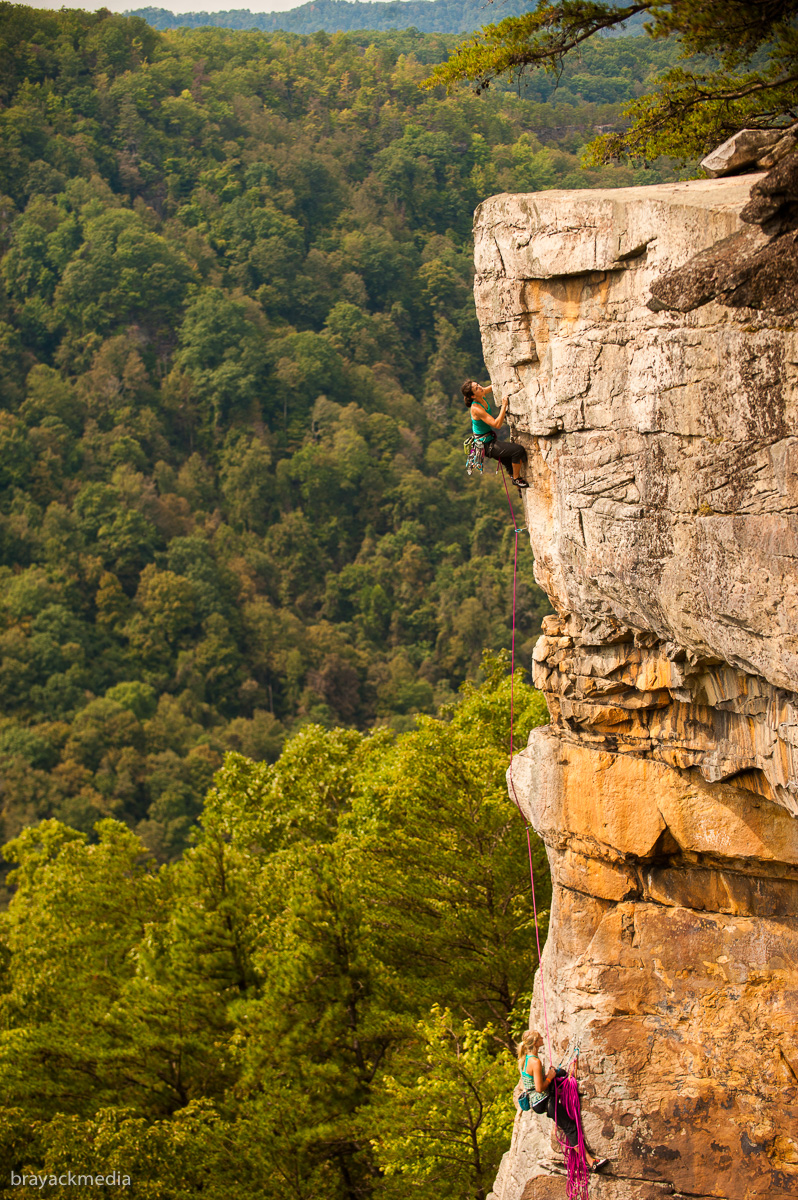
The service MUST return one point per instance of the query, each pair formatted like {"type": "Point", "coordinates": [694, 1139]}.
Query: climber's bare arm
{"type": "Point", "coordinates": [479, 414]}
{"type": "Point", "coordinates": [541, 1081]}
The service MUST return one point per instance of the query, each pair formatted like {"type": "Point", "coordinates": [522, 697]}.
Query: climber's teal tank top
{"type": "Point", "coordinates": [528, 1082]}
{"type": "Point", "coordinates": [479, 428]}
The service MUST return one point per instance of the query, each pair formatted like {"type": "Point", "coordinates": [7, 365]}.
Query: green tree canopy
{"type": "Point", "coordinates": [739, 66]}
{"type": "Point", "coordinates": [236, 306]}
{"type": "Point", "coordinates": [322, 992]}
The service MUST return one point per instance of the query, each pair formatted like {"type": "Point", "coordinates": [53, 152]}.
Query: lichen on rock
{"type": "Point", "coordinates": [663, 515]}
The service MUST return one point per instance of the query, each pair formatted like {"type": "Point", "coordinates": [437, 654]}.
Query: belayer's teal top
{"type": "Point", "coordinates": [529, 1083]}
{"type": "Point", "coordinates": [480, 429]}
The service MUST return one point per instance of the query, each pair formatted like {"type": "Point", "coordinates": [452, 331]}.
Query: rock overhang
{"type": "Point", "coordinates": [666, 441]}
{"type": "Point", "coordinates": [556, 234]}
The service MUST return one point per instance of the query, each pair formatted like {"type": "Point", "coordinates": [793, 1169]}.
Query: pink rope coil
{"type": "Point", "coordinates": [567, 1094]}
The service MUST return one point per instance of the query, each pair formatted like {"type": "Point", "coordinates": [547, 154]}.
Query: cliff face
{"type": "Point", "coordinates": [663, 515]}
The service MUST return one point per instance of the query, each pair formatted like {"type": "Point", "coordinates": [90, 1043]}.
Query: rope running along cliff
{"type": "Point", "coordinates": [568, 1091]}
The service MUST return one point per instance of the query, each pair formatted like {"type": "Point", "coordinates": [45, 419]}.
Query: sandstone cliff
{"type": "Point", "coordinates": [663, 515]}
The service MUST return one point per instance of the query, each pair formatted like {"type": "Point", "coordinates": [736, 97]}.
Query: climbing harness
{"type": "Point", "coordinates": [480, 436]}
{"type": "Point", "coordinates": [566, 1090]}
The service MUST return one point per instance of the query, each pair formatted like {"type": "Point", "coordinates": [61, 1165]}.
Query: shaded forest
{"type": "Point", "coordinates": [235, 310]}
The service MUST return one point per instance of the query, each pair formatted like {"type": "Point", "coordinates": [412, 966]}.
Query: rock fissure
{"type": "Point", "coordinates": [639, 894]}
{"type": "Point", "coordinates": [663, 514]}
{"type": "Point", "coordinates": [780, 909]}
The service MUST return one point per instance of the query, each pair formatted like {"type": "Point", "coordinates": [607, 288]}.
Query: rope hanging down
{"type": "Point", "coordinates": [566, 1091]}
{"type": "Point", "coordinates": [516, 531]}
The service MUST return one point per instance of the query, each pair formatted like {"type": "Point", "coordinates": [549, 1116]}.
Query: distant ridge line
{"type": "Point", "coordinates": [335, 16]}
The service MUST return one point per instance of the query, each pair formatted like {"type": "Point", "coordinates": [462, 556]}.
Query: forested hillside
{"type": "Point", "coordinates": [350, 16]}
{"type": "Point", "coordinates": [235, 313]}
{"type": "Point", "coordinates": [317, 1000]}
{"type": "Point", "coordinates": [334, 16]}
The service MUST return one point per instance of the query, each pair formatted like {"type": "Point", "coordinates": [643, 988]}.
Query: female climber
{"type": "Point", "coordinates": [541, 1091]}
{"type": "Point", "coordinates": [484, 425]}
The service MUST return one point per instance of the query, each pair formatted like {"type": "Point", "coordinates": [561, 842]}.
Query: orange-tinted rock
{"type": "Point", "coordinates": [663, 514]}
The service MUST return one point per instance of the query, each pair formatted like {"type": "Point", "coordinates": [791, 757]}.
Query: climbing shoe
{"type": "Point", "coordinates": [597, 1166]}
{"type": "Point", "coordinates": [520, 483]}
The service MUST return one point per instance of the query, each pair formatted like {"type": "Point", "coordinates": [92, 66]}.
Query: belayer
{"type": "Point", "coordinates": [542, 1093]}
{"type": "Point", "coordinates": [484, 425]}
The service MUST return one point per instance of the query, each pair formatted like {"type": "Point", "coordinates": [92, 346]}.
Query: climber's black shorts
{"type": "Point", "coordinates": [505, 452]}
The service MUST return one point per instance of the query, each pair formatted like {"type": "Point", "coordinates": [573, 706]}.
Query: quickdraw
{"type": "Point", "coordinates": [475, 454]}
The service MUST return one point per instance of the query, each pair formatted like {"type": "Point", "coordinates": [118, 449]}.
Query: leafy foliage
{"type": "Point", "coordinates": [740, 66]}
{"type": "Point", "coordinates": [235, 310]}
{"type": "Point", "coordinates": [448, 1115]}
{"type": "Point", "coordinates": [252, 1011]}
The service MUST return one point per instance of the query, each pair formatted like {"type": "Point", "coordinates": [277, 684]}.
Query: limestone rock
{"type": "Point", "coordinates": [741, 150]}
{"type": "Point", "coordinates": [663, 515]}
{"type": "Point", "coordinates": [784, 146]}
{"type": "Point", "coordinates": [739, 272]}
{"type": "Point", "coordinates": [726, 723]}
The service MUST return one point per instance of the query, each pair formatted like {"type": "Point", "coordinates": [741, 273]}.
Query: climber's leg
{"type": "Point", "coordinates": [509, 454]}
{"type": "Point", "coordinates": [568, 1126]}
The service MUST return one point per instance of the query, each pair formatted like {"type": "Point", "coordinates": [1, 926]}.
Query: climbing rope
{"type": "Point", "coordinates": [527, 826]}
{"type": "Point", "coordinates": [566, 1091]}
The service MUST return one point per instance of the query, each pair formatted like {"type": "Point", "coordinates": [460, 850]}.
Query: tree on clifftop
{"type": "Point", "coordinates": [739, 66]}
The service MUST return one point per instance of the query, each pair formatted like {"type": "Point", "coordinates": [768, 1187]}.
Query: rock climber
{"type": "Point", "coordinates": [485, 425]}
{"type": "Point", "coordinates": [541, 1092]}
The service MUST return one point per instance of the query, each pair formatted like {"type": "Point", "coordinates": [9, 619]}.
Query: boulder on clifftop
{"type": "Point", "coordinates": [742, 150]}
{"type": "Point", "coordinates": [755, 267]}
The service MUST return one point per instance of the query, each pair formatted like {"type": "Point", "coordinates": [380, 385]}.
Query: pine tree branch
{"type": "Point", "coordinates": [541, 38]}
